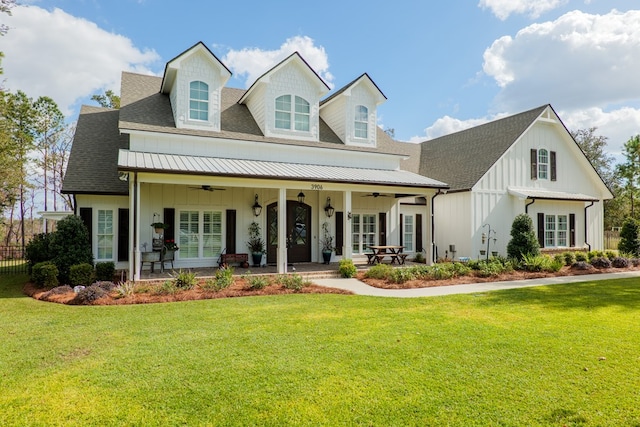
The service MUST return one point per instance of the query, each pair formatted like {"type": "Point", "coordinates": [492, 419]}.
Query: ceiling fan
{"type": "Point", "coordinates": [207, 188]}
{"type": "Point", "coordinates": [376, 195]}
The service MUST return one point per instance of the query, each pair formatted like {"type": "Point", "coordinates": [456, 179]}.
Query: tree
{"type": "Point", "coordinates": [108, 100]}
{"type": "Point", "coordinates": [69, 246]}
{"type": "Point", "coordinates": [5, 7]}
{"type": "Point", "coordinates": [629, 243]}
{"type": "Point", "coordinates": [523, 238]}
{"type": "Point", "coordinates": [629, 172]}
{"type": "Point", "coordinates": [593, 146]}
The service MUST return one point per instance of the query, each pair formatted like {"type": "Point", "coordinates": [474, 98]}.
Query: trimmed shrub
{"type": "Point", "coordinates": [629, 241]}
{"type": "Point", "coordinates": [105, 271]}
{"type": "Point", "coordinates": [523, 238]}
{"type": "Point", "coordinates": [292, 281]}
{"type": "Point", "coordinates": [37, 250]}
{"type": "Point", "coordinates": [401, 275]}
{"type": "Point", "coordinates": [257, 282]}
{"type": "Point", "coordinates": [582, 265]}
{"type": "Point", "coordinates": [600, 262]}
{"type": "Point", "coordinates": [81, 274]}
{"type": "Point", "coordinates": [346, 268]}
{"type": "Point", "coordinates": [610, 254]}
{"type": "Point", "coordinates": [224, 278]}
{"type": "Point", "coordinates": [58, 290]}
{"type": "Point", "coordinates": [45, 274]}
{"type": "Point", "coordinates": [419, 258]}
{"type": "Point", "coordinates": [635, 262]}
{"type": "Point", "coordinates": [106, 285]}
{"type": "Point", "coordinates": [185, 279]}
{"type": "Point", "coordinates": [379, 271]}
{"type": "Point", "coordinates": [569, 258]}
{"type": "Point", "coordinates": [620, 262]}
{"type": "Point", "coordinates": [581, 257]}
{"type": "Point", "coordinates": [88, 295]}
{"type": "Point", "coordinates": [70, 246]}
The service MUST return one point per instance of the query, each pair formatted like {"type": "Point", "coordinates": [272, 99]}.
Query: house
{"type": "Point", "coordinates": [209, 160]}
{"type": "Point", "coordinates": [526, 163]}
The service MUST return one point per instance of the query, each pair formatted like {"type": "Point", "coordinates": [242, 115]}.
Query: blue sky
{"type": "Point", "coordinates": [443, 66]}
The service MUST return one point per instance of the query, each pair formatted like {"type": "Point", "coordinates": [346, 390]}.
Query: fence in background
{"type": "Point", "coordinates": [12, 260]}
{"type": "Point", "coordinates": [611, 239]}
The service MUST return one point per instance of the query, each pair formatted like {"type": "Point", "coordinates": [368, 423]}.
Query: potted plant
{"type": "Point", "coordinates": [327, 243]}
{"type": "Point", "coordinates": [159, 227]}
{"type": "Point", "coordinates": [255, 244]}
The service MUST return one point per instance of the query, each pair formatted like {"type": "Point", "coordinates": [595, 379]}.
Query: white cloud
{"type": "Point", "coordinates": [534, 8]}
{"type": "Point", "coordinates": [447, 125]}
{"type": "Point", "coordinates": [253, 62]}
{"type": "Point", "coordinates": [51, 53]}
{"type": "Point", "coordinates": [577, 61]}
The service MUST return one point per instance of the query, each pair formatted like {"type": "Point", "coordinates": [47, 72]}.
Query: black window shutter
{"type": "Point", "coordinates": [231, 231]}
{"type": "Point", "coordinates": [170, 218]}
{"type": "Point", "coordinates": [419, 233]}
{"type": "Point", "coordinates": [86, 215]}
{"type": "Point", "coordinates": [553, 165]}
{"type": "Point", "coordinates": [401, 230]}
{"type": "Point", "coordinates": [541, 229]}
{"type": "Point", "coordinates": [382, 236]}
{"type": "Point", "coordinates": [123, 234]}
{"type": "Point", "coordinates": [339, 232]}
{"type": "Point", "coordinates": [534, 163]}
{"type": "Point", "coordinates": [572, 230]}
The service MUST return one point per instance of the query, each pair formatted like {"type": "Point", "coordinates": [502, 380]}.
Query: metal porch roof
{"type": "Point", "coordinates": [185, 164]}
{"type": "Point", "coordinates": [550, 195]}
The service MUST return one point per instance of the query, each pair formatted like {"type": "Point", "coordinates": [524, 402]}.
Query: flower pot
{"type": "Point", "coordinates": [494, 253]}
{"type": "Point", "coordinates": [483, 252]}
{"type": "Point", "coordinates": [257, 258]}
{"type": "Point", "coordinates": [159, 230]}
{"type": "Point", "coordinates": [326, 256]}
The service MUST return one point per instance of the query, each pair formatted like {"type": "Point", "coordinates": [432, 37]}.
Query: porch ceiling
{"type": "Point", "coordinates": [183, 164]}
{"type": "Point", "coordinates": [550, 195]}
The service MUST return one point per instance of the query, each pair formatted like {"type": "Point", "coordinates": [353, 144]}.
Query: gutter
{"type": "Point", "coordinates": [433, 226]}
{"type": "Point", "coordinates": [526, 207]}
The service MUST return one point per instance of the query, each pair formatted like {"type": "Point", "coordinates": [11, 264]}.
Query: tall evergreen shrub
{"type": "Point", "coordinates": [69, 246]}
{"type": "Point", "coordinates": [629, 242]}
{"type": "Point", "coordinates": [523, 238]}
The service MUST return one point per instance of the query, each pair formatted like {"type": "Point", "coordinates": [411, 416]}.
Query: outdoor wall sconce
{"type": "Point", "coordinates": [257, 209]}
{"type": "Point", "coordinates": [328, 209]}
{"type": "Point", "coordinates": [348, 215]}
{"type": "Point", "coordinates": [301, 197]}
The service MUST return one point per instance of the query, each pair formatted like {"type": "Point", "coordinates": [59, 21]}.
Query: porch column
{"type": "Point", "coordinates": [348, 235]}
{"type": "Point", "coordinates": [282, 231]}
{"type": "Point", "coordinates": [135, 214]}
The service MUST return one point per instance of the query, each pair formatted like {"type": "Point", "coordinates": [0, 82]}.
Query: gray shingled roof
{"type": "Point", "coordinates": [462, 158]}
{"type": "Point", "coordinates": [92, 164]}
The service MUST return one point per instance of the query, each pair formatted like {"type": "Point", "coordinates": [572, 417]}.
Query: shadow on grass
{"type": "Point", "coordinates": [624, 293]}
{"type": "Point", "coordinates": [11, 285]}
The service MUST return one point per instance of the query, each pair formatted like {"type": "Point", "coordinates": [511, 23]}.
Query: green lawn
{"type": "Point", "coordinates": [529, 357]}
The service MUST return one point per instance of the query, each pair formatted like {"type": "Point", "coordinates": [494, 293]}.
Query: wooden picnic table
{"type": "Point", "coordinates": [380, 252]}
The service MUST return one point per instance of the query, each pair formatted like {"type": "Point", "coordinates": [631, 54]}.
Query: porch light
{"type": "Point", "coordinates": [329, 210]}
{"type": "Point", "coordinates": [257, 209]}
{"type": "Point", "coordinates": [484, 238]}
{"type": "Point", "coordinates": [301, 197]}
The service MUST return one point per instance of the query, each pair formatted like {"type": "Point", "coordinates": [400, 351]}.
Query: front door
{"type": "Point", "coordinates": [298, 232]}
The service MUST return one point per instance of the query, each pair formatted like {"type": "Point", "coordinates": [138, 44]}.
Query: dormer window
{"type": "Point", "coordinates": [301, 113]}
{"type": "Point", "coordinates": [361, 122]}
{"type": "Point", "coordinates": [198, 101]}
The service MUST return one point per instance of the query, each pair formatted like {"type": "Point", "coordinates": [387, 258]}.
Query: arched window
{"type": "Point", "coordinates": [361, 122]}
{"type": "Point", "coordinates": [543, 164]}
{"type": "Point", "coordinates": [285, 109]}
{"type": "Point", "coordinates": [198, 101]}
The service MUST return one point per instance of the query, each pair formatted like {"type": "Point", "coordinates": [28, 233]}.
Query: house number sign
{"type": "Point", "coordinates": [316, 186]}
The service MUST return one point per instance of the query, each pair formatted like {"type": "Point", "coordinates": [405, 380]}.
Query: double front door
{"type": "Point", "coordinates": [298, 232]}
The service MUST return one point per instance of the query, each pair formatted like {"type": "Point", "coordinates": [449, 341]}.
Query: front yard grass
{"type": "Point", "coordinates": [562, 355]}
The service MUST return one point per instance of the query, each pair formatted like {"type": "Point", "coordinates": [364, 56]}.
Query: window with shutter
{"type": "Point", "coordinates": [534, 163]}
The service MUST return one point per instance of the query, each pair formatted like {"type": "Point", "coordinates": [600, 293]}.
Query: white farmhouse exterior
{"type": "Point", "coordinates": [188, 151]}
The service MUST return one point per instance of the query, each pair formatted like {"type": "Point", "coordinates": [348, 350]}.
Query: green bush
{"type": "Point", "coordinates": [401, 275]}
{"type": "Point", "coordinates": [105, 271]}
{"type": "Point", "coordinates": [620, 262]}
{"type": "Point", "coordinates": [185, 279]}
{"type": "Point", "coordinates": [292, 281]}
{"type": "Point", "coordinates": [88, 295]}
{"type": "Point", "coordinates": [610, 254]}
{"type": "Point", "coordinates": [45, 274]}
{"type": "Point", "coordinates": [347, 268]}
{"type": "Point", "coordinates": [70, 246]}
{"type": "Point", "coordinates": [168, 287]}
{"type": "Point", "coordinates": [629, 241]}
{"type": "Point", "coordinates": [379, 271]}
{"type": "Point", "coordinates": [37, 250]}
{"type": "Point", "coordinates": [569, 258]}
{"type": "Point", "coordinates": [419, 258]}
{"type": "Point", "coordinates": [600, 262]}
{"type": "Point", "coordinates": [461, 269]}
{"type": "Point", "coordinates": [442, 271]}
{"type": "Point", "coordinates": [224, 278]}
{"type": "Point", "coordinates": [256, 283]}
{"type": "Point", "coordinates": [581, 257]}
{"type": "Point", "coordinates": [81, 274]}
{"type": "Point", "coordinates": [523, 238]}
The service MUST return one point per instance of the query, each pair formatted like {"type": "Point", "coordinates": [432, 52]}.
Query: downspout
{"type": "Point", "coordinates": [526, 207]}
{"type": "Point", "coordinates": [135, 224]}
{"type": "Point", "coordinates": [433, 227]}
{"type": "Point", "coordinates": [585, 225]}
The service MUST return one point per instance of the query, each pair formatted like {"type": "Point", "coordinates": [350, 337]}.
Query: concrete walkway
{"type": "Point", "coordinates": [360, 288]}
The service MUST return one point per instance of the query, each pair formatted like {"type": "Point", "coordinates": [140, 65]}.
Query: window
{"type": "Point", "coordinates": [408, 233]}
{"type": "Point", "coordinates": [361, 122]}
{"type": "Point", "coordinates": [363, 232]}
{"type": "Point", "coordinates": [200, 234]}
{"type": "Point", "coordinates": [198, 101]}
{"type": "Point", "coordinates": [543, 164]}
{"type": "Point", "coordinates": [301, 113]}
{"type": "Point", "coordinates": [105, 234]}
{"type": "Point", "coordinates": [555, 230]}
